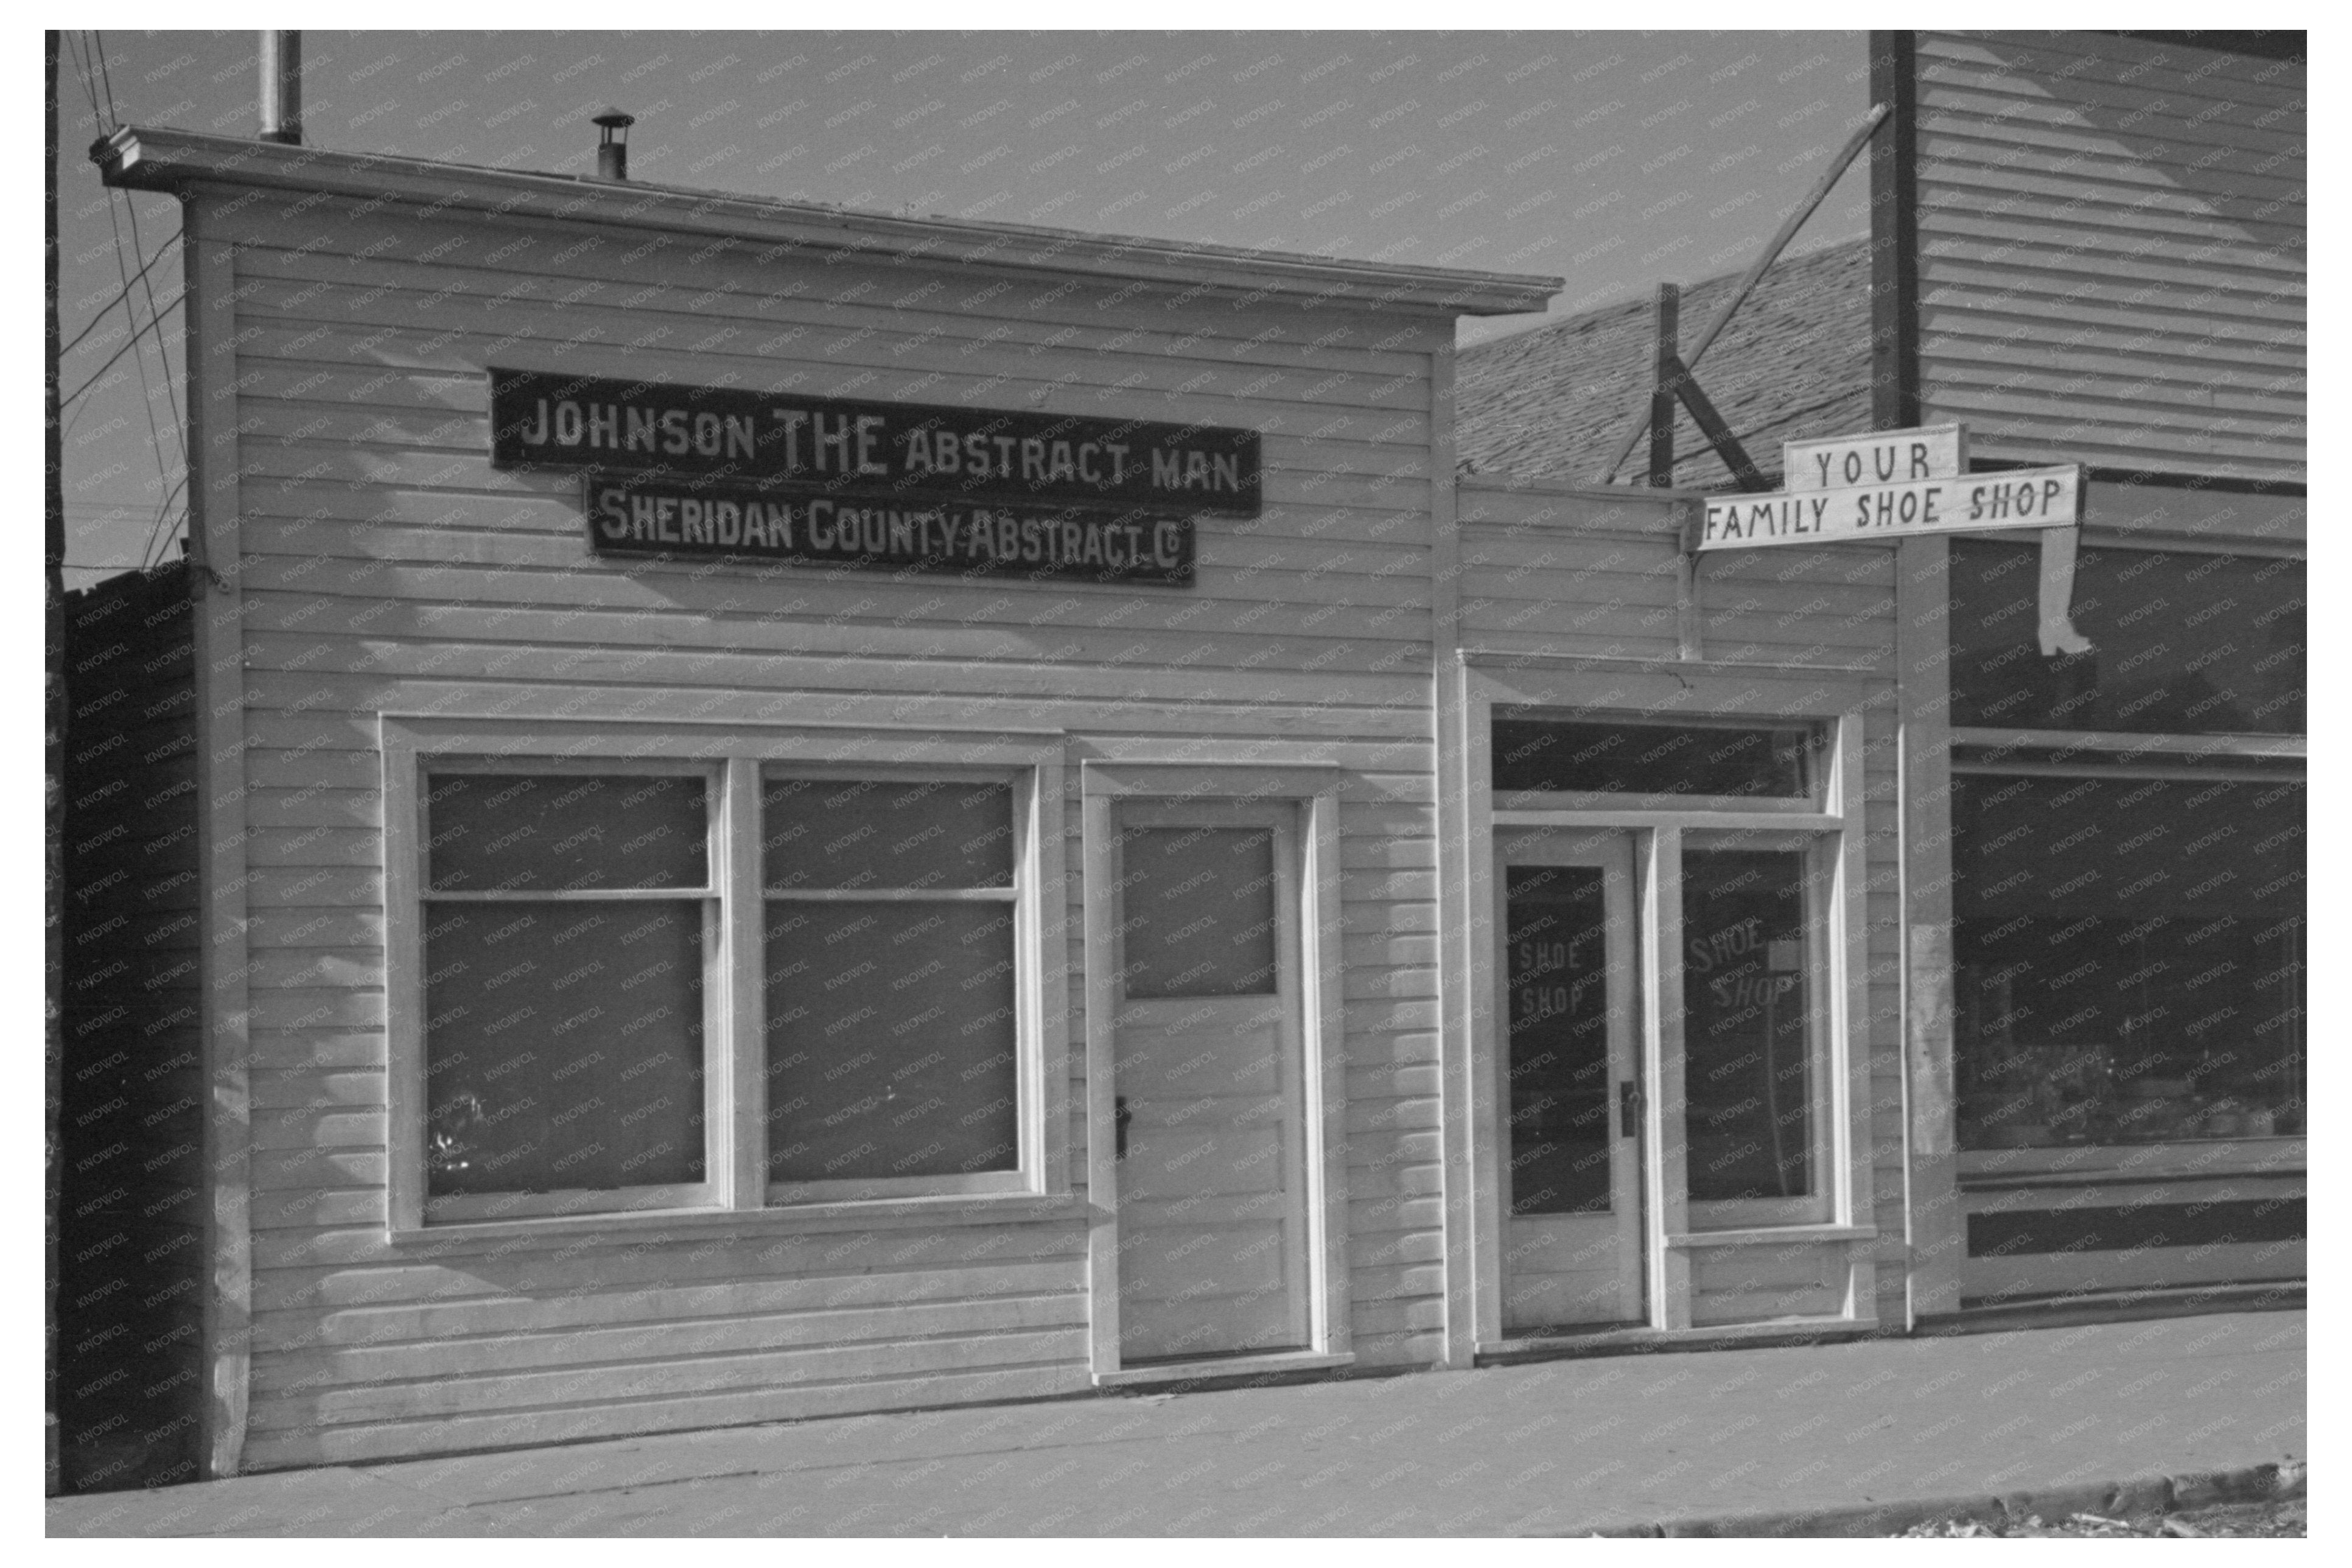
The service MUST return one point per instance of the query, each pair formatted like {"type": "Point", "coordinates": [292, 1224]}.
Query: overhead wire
{"type": "Point", "coordinates": [140, 331]}
{"type": "Point", "coordinates": [119, 298]}
{"type": "Point", "coordinates": [111, 119]}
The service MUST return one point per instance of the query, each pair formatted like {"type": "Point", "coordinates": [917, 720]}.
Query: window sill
{"type": "Point", "coordinates": [2109, 1162]}
{"type": "Point", "coordinates": [1775, 1235]}
{"type": "Point", "coordinates": [801, 1219]}
{"type": "Point", "coordinates": [1225, 1366]}
{"type": "Point", "coordinates": [1617, 1340]}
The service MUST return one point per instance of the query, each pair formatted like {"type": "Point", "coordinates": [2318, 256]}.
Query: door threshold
{"type": "Point", "coordinates": [1256, 1363]}
{"type": "Point", "coordinates": [1614, 1341]}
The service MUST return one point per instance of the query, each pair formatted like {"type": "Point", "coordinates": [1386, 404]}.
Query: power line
{"type": "Point", "coordinates": [119, 298]}
{"type": "Point", "coordinates": [159, 537]}
{"type": "Point", "coordinates": [152, 322]}
{"type": "Point", "coordinates": [155, 437]}
{"type": "Point", "coordinates": [98, 52]}
{"type": "Point", "coordinates": [170, 393]}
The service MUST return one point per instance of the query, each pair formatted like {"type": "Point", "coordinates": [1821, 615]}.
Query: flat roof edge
{"type": "Point", "coordinates": [165, 159]}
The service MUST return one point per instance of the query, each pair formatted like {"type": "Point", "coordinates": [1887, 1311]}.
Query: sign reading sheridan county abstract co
{"type": "Point", "coordinates": [909, 452]}
{"type": "Point", "coordinates": [741, 523]}
{"type": "Point", "coordinates": [2014, 497]}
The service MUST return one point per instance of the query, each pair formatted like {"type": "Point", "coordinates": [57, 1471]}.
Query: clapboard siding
{"type": "Point", "coordinates": [2111, 252]}
{"type": "Point", "coordinates": [385, 565]}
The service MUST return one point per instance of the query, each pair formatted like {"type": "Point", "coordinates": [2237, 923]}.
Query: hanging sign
{"type": "Point", "coordinates": [1899, 483]}
{"type": "Point", "coordinates": [744, 523]}
{"type": "Point", "coordinates": [1881, 458]}
{"type": "Point", "coordinates": [908, 451]}
{"type": "Point", "coordinates": [1890, 484]}
{"type": "Point", "coordinates": [2014, 497]}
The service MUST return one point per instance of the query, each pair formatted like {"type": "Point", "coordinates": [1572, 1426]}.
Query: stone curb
{"type": "Point", "coordinates": [2281, 1482]}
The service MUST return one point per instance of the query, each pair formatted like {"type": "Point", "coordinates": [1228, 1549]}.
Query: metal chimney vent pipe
{"type": "Point", "coordinates": [613, 146]}
{"type": "Point", "coordinates": [281, 88]}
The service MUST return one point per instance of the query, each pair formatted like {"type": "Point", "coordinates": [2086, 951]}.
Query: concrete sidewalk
{"type": "Point", "coordinates": [1549, 1447]}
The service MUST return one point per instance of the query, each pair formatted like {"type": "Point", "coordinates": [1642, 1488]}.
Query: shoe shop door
{"type": "Point", "coordinates": [1570, 1090]}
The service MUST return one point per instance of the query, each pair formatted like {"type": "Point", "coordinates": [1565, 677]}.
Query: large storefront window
{"type": "Point", "coordinates": [889, 979]}
{"type": "Point", "coordinates": [2181, 644]}
{"type": "Point", "coordinates": [2130, 960]}
{"type": "Point", "coordinates": [638, 984]}
{"type": "Point", "coordinates": [2128, 912]}
{"type": "Point", "coordinates": [563, 910]}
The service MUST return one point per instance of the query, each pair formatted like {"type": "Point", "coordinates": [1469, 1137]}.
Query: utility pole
{"type": "Point", "coordinates": [53, 550]}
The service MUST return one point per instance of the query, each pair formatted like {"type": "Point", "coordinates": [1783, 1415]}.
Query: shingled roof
{"type": "Point", "coordinates": [1793, 363]}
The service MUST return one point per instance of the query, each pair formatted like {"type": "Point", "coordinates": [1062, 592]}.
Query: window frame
{"type": "Point", "coordinates": [2214, 757]}
{"type": "Point", "coordinates": [740, 757]}
{"type": "Point", "coordinates": [1021, 895]}
{"type": "Point", "coordinates": [1821, 850]}
{"type": "Point", "coordinates": [1844, 703]}
{"type": "Point", "coordinates": [1821, 764]}
{"type": "Point", "coordinates": [459, 1209]}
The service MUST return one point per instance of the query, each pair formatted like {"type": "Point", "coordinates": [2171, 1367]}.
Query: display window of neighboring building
{"type": "Point", "coordinates": [2127, 851]}
{"type": "Point", "coordinates": [623, 979]}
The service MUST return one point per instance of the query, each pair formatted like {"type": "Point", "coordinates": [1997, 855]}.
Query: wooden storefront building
{"type": "Point", "coordinates": [797, 812]}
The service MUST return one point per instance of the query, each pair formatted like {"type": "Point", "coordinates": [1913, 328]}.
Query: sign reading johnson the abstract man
{"type": "Point", "coordinates": [840, 446]}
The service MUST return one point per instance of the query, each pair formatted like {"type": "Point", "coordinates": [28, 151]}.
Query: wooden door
{"type": "Point", "coordinates": [1570, 1095]}
{"type": "Point", "coordinates": [1208, 1076]}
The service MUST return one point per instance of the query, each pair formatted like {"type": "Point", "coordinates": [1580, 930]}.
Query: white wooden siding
{"type": "Point", "coordinates": [385, 564]}
{"type": "Point", "coordinates": [2111, 252]}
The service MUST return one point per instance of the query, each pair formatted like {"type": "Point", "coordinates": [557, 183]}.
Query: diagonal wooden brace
{"type": "Point", "coordinates": [1679, 381]}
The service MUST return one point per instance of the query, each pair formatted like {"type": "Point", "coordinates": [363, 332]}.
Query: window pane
{"type": "Point", "coordinates": [891, 1035]}
{"type": "Point", "coordinates": [864, 833]}
{"type": "Point", "coordinates": [2180, 643]}
{"type": "Point", "coordinates": [2129, 960]}
{"type": "Point", "coordinates": [564, 831]}
{"type": "Point", "coordinates": [1559, 754]}
{"type": "Point", "coordinates": [1747, 1024]}
{"type": "Point", "coordinates": [1199, 912]}
{"type": "Point", "coordinates": [563, 1046]}
{"type": "Point", "coordinates": [1559, 973]}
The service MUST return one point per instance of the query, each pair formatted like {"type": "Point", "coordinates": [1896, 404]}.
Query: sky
{"type": "Point", "coordinates": [1614, 160]}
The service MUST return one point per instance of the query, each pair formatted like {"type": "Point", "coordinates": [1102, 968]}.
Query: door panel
{"type": "Point", "coordinates": [1208, 1079]}
{"type": "Point", "coordinates": [1570, 1177]}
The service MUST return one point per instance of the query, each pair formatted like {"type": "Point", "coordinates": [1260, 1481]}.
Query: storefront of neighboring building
{"type": "Point", "coordinates": [2102, 969]}
{"type": "Point", "coordinates": [2102, 259]}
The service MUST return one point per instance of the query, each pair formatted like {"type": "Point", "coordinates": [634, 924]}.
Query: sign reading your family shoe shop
{"type": "Point", "coordinates": [719, 471]}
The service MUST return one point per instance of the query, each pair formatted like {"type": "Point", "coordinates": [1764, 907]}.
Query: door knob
{"type": "Point", "coordinates": [1120, 1116]}
{"type": "Point", "coordinates": [1629, 1107]}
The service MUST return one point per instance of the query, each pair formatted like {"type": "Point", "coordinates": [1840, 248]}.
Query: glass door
{"type": "Point", "coordinates": [1571, 1093]}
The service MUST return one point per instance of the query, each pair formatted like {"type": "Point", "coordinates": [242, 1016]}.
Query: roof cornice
{"type": "Point", "coordinates": [164, 159]}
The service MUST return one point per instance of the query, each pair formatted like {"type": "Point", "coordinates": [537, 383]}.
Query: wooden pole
{"type": "Point", "coordinates": [1662, 395]}
{"type": "Point", "coordinates": [1796, 220]}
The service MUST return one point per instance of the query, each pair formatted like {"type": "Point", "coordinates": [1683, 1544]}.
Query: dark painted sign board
{"type": "Point", "coordinates": [905, 452]}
